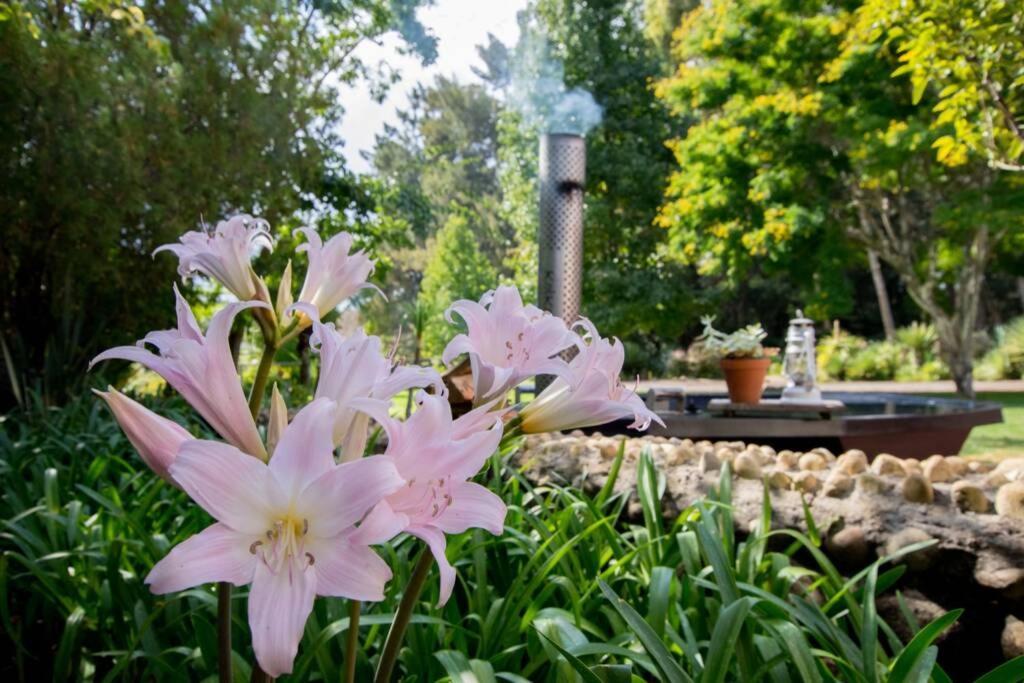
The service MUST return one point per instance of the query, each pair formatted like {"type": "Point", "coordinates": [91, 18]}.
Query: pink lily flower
{"type": "Point", "coordinates": [353, 367]}
{"type": "Point", "coordinates": [155, 438]}
{"type": "Point", "coordinates": [592, 394]}
{"type": "Point", "coordinates": [224, 254]}
{"type": "Point", "coordinates": [507, 342]}
{"type": "Point", "coordinates": [287, 528]}
{"type": "Point", "coordinates": [333, 274]}
{"type": "Point", "coordinates": [201, 370]}
{"type": "Point", "coordinates": [436, 457]}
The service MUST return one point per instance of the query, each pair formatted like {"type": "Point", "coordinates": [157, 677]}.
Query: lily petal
{"type": "Point", "coordinates": [217, 553]}
{"type": "Point", "coordinates": [346, 569]}
{"type": "Point", "coordinates": [341, 497]}
{"type": "Point", "coordinates": [473, 506]}
{"type": "Point", "coordinates": [235, 488]}
{"type": "Point", "coordinates": [435, 540]}
{"type": "Point", "coordinates": [305, 449]}
{"type": "Point", "coordinates": [279, 605]}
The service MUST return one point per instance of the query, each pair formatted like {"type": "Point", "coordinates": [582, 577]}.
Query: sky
{"type": "Point", "coordinates": [460, 25]}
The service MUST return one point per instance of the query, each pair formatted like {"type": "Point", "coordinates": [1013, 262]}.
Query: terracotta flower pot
{"type": "Point", "coordinates": [745, 378]}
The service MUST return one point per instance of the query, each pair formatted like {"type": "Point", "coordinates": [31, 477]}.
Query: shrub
{"type": "Point", "coordinates": [911, 357]}
{"type": "Point", "coordinates": [1006, 359]}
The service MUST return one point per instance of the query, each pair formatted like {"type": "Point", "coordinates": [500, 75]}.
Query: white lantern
{"type": "Point", "coordinates": [800, 363]}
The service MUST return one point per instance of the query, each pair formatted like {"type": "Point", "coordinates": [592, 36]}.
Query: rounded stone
{"type": "Point", "coordinates": [825, 453]}
{"type": "Point", "coordinates": [609, 449]}
{"type": "Point", "coordinates": [885, 464]}
{"type": "Point", "coordinates": [852, 462]}
{"type": "Point", "coordinates": [806, 482]}
{"type": "Point", "coordinates": [725, 453]}
{"type": "Point", "coordinates": [838, 485]}
{"type": "Point", "coordinates": [917, 489]}
{"type": "Point", "coordinates": [937, 470]}
{"type": "Point", "coordinates": [682, 453]}
{"type": "Point", "coordinates": [958, 465]}
{"type": "Point", "coordinates": [747, 466]}
{"type": "Point", "coordinates": [981, 466]}
{"type": "Point", "coordinates": [1010, 500]}
{"type": "Point", "coordinates": [812, 462]}
{"type": "Point", "coordinates": [788, 459]}
{"type": "Point", "coordinates": [1012, 639]}
{"type": "Point", "coordinates": [968, 497]}
{"type": "Point", "coordinates": [911, 466]}
{"type": "Point", "coordinates": [871, 484]}
{"type": "Point", "coordinates": [780, 481]}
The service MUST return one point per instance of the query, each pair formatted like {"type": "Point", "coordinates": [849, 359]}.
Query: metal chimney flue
{"type": "Point", "coordinates": [563, 164]}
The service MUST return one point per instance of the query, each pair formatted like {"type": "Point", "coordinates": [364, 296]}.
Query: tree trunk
{"type": "Point", "coordinates": [884, 305]}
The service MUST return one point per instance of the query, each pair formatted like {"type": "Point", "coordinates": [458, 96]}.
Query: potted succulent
{"type": "Point", "coordinates": [743, 358]}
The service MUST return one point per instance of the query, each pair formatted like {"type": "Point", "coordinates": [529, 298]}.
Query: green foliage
{"type": "Point", "coordinates": [570, 584]}
{"type": "Point", "coordinates": [455, 270]}
{"type": "Point", "coordinates": [757, 173]}
{"type": "Point", "coordinates": [801, 145]}
{"type": "Point", "coordinates": [123, 127]}
{"type": "Point", "coordinates": [967, 51]}
{"type": "Point", "coordinates": [912, 357]}
{"type": "Point", "coordinates": [1006, 359]}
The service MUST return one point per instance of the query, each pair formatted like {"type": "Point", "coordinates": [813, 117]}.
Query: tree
{"type": "Point", "coordinates": [799, 146]}
{"type": "Point", "coordinates": [456, 269]}
{"type": "Point", "coordinates": [969, 52]}
{"type": "Point", "coordinates": [438, 163]}
{"type": "Point", "coordinates": [123, 127]}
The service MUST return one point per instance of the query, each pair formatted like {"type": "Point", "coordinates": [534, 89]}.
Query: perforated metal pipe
{"type": "Point", "coordinates": [563, 165]}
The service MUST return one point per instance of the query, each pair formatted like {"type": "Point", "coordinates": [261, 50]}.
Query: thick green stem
{"type": "Point", "coordinates": [352, 641]}
{"type": "Point", "coordinates": [396, 634]}
{"type": "Point", "coordinates": [259, 385]}
{"type": "Point", "coordinates": [224, 631]}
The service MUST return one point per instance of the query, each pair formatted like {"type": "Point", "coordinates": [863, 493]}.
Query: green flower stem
{"type": "Point", "coordinates": [352, 641]}
{"type": "Point", "coordinates": [396, 634]}
{"type": "Point", "coordinates": [259, 385]}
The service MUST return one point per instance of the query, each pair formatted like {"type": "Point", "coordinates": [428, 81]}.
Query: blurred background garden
{"type": "Point", "coordinates": [862, 161]}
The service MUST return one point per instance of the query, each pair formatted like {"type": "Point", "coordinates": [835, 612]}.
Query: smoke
{"type": "Point", "coordinates": [537, 89]}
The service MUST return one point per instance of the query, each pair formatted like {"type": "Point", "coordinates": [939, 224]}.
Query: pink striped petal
{"type": "Point", "coordinates": [346, 569]}
{"type": "Point", "coordinates": [435, 540]}
{"type": "Point", "coordinates": [156, 438]}
{"type": "Point", "coordinates": [217, 553]}
{"type": "Point", "coordinates": [473, 506]}
{"type": "Point", "coordinates": [380, 525]}
{"type": "Point", "coordinates": [341, 497]}
{"type": "Point", "coordinates": [279, 605]}
{"type": "Point", "coordinates": [237, 489]}
{"type": "Point", "coordinates": [306, 449]}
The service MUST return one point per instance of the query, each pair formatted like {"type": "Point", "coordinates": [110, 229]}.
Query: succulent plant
{"type": "Point", "coordinates": [743, 343]}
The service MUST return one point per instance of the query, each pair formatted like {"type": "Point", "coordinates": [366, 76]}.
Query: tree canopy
{"type": "Point", "coordinates": [123, 127]}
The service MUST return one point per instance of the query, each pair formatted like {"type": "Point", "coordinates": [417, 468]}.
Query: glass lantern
{"type": "Point", "coordinates": [800, 363]}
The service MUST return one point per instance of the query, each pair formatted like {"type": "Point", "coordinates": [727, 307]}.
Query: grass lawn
{"type": "Point", "coordinates": [1004, 439]}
